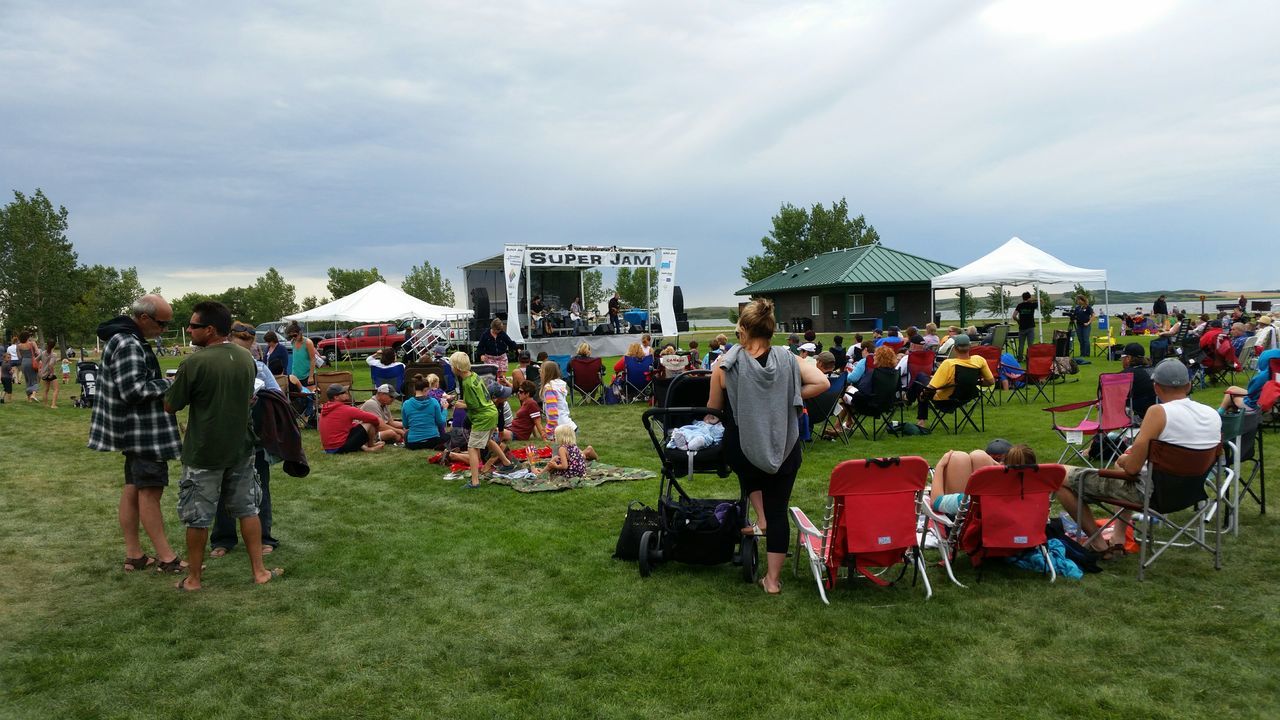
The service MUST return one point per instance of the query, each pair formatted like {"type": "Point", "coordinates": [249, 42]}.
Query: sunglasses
{"type": "Point", "coordinates": [161, 323]}
{"type": "Point", "coordinates": [197, 326]}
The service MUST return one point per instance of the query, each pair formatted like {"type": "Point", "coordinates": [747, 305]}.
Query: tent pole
{"type": "Point", "coordinates": [933, 292]}
{"type": "Point", "coordinates": [1039, 313]}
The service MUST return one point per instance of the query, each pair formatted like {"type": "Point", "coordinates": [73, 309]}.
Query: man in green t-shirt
{"type": "Point", "coordinates": [216, 385]}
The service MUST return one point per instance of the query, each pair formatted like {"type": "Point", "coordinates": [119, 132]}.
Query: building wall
{"type": "Point", "coordinates": [912, 303]}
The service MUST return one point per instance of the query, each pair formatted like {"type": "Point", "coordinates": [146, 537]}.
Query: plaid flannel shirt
{"type": "Point", "coordinates": [128, 413]}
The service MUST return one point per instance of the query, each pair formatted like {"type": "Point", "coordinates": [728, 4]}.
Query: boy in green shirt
{"type": "Point", "coordinates": [483, 415]}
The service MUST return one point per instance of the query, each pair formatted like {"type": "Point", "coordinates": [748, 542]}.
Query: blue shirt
{"type": "Point", "coordinates": [423, 418]}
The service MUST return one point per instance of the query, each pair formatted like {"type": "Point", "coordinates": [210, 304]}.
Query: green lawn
{"type": "Point", "coordinates": [406, 596]}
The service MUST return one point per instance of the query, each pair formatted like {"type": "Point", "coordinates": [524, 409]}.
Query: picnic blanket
{"type": "Point", "coordinates": [522, 480]}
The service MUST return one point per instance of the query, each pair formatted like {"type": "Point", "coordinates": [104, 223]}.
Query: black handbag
{"type": "Point", "coordinates": [640, 519]}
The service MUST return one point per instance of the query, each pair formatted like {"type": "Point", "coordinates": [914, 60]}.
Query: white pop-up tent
{"type": "Point", "coordinates": [1018, 263]}
{"type": "Point", "coordinates": [378, 302]}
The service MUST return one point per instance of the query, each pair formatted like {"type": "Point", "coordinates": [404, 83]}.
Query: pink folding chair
{"type": "Point", "coordinates": [1111, 411]}
{"type": "Point", "coordinates": [870, 523]}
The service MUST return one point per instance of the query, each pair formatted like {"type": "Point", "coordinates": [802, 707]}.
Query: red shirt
{"type": "Point", "coordinates": [336, 419]}
{"type": "Point", "coordinates": [522, 425]}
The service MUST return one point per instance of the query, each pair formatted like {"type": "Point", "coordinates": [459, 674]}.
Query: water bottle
{"type": "Point", "coordinates": [1139, 519]}
{"type": "Point", "coordinates": [1069, 525]}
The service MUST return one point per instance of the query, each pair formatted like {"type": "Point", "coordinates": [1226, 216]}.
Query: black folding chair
{"type": "Point", "coordinates": [823, 407]}
{"type": "Point", "coordinates": [878, 405]}
{"type": "Point", "coordinates": [966, 396]}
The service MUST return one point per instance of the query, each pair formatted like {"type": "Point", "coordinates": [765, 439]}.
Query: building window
{"type": "Point", "coordinates": [813, 305]}
{"type": "Point", "coordinates": [856, 307]}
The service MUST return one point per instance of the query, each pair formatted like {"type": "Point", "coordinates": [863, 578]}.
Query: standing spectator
{"type": "Point", "coordinates": [1243, 303]}
{"type": "Point", "coordinates": [615, 313]}
{"type": "Point", "coordinates": [129, 417]}
{"type": "Point", "coordinates": [1160, 311]}
{"type": "Point", "coordinates": [345, 428]}
{"type": "Point", "coordinates": [494, 345]}
{"type": "Point", "coordinates": [762, 391]}
{"type": "Point", "coordinates": [303, 364]}
{"type": "Point", "coordinates": [387, 428]}
{"type": "Point", "coordinates": [223, 539]}
{"type": "Point", "coordinates": [27, 352]}
{"type": "Point", "coordinates": [48, 362]}
{"type": "Point", "coordinates": [277, 355]}
{"type": "Point", "coordinates": [1025, 315]}
{"type": "Point", "coordinates": [483, 415]}
{"type": "Point", "coordinates": [6, 376]}
{"type": "Point", "coordinates": [216, 384]}
{"type": "Point", "coordinates": [1083, 316]}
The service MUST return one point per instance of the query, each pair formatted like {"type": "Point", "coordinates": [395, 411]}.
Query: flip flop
{"type": "Point", "coordinates": [182, 586]}
{"type": "Point", "coordinates": [753, 529]}
{"type": "Point", "coordinates": [766, 590]}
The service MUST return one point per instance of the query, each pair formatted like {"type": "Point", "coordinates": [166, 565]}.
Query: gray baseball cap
{"type": "Point", "coordinates": [999, 446]}
{"type": "Point", "coordinates": [1171, 373]}
{"type": "Point", "coordinates": [961, 340]}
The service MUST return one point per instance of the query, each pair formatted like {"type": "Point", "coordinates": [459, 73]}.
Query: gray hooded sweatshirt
{"type": "Point", "coordinates": [766, 404]}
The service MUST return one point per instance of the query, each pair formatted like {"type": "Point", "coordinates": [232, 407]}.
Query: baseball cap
{"type": "Point", "coordinates": [793, 338]}
{"type": "Point", "coordinates": [385, 388]}
{"type": "Point", "coordinates": [825, 357]}
{"type": "Point", "coordinates": [334, 391]}
{"type": "Point", "coordinates": [1135, 350]}
{"type": "Point", "coordinates": [808, 347]}
{"type": "Point", "coordinates": [498, 391]}
{"type": "Point", "coordinates": [1171, 373]}
{"type": "Point", "coordinates": [916, 340]}
{"type": "Point", "coordinates": [999, 446]}
{"type": "Point", "coordinates": [961, 340]}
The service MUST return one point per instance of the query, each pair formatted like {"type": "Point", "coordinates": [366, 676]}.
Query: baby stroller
{"type": "Point", "coordinates": [87, 379]}
{"type": "Point", "coordinates": [696, 531]}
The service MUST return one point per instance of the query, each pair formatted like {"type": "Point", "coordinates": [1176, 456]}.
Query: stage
{"type": "Point", "coordinates": [601, 345]}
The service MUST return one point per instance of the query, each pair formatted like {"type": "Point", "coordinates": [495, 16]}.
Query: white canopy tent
{"type": "Point", "coordinates": [1018, 263]}
{"type": "Point", "coordinates": [378, 302]}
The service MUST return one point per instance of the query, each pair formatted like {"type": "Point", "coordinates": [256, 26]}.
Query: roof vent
{"type": "Point", "coordinates": [806, 269]}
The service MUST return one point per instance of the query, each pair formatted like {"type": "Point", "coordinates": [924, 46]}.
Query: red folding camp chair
{"type": "Point", "coordinates": [990, 353]}
{"type": "Point", "coordinates": [1039, 373]}
{"type": "Point", "coordinates": [920, 362]}
{"type": "Point", "coordinates": [586, 379]}
{"type": "Point", "coordinates": [870, 523]}
{"type": "Point", "coordinates": [1112, 411]}
{"type": "Point", "coordinates": [1003, 515]}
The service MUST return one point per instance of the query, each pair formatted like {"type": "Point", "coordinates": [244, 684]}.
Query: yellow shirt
{"type": "Point", "coordinates": [945, 376]}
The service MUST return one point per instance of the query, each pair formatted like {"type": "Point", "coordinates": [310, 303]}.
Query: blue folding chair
{"type": "Point", "coordinates": [393, 376]}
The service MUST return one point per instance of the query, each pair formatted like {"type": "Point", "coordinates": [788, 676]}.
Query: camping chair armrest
{"type": "Point", "coordinates": [1071, 406]}
{"type": "Point", "coordinates": [809, 529]}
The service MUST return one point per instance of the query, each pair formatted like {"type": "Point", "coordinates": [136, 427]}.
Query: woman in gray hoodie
{"type": "Point", "coordinates": [762, 389]}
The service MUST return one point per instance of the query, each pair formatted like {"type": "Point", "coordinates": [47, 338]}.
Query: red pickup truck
{"type": "Point", "coordinates": [362, 340]}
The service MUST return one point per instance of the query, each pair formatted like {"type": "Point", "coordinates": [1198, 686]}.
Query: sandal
{"type": "Point", "coordinates": [182, 586]}
{"type": "Point", "coordinates": [173, 567]}
{"type": "Point", "coordinates": [138, 563]}
{"type": "Point", "coordinates": [752, 529]}
{"type": "Point", "coordinates": [766, 590]}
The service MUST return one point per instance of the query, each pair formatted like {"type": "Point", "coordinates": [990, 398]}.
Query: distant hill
{"type": "Point", "coordinates": [709, 312]}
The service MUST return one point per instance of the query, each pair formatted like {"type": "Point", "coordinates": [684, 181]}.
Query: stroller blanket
{"type": "Point", "coordinates": [696, 436]}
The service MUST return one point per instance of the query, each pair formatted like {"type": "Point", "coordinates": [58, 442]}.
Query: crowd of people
{"type": "Point", "coordinates": [233, 437]}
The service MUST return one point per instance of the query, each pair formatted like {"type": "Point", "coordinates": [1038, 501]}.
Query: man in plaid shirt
{"type": "Point", "coordinates": [129, 417]}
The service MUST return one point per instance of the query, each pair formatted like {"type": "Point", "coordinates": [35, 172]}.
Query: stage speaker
{"type": "Point", "coordinates": [602, 329]}
{"type": "Point", "coordinates": [677, 300]}
{"type": "Point", "coordinates": [480, 304]}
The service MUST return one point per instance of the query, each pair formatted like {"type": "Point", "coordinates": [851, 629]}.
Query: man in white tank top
{"type": "Point", "coordinates": [1177, 420]}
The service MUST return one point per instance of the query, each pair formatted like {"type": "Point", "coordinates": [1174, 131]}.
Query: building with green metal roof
{"type": "Point", "coordinates": [853, 289]}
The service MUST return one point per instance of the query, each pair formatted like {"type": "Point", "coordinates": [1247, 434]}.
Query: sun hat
{"type": "Point", "coordinates": [1135, 350]}
{"type": "Point", "coordinates": [1264, 320]}
{"type": "Point", "coordinates": [1171, 373]}
{"type": "Point", "coordinates": [334, 391]}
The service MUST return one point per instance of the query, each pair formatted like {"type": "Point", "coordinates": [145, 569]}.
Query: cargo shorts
{"type": "Point", "coordinates": [200, 489]}
{"type": "Point", "coordinates": [1086, 483]}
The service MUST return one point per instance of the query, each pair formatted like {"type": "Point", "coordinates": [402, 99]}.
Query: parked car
{"type": "Point", "coordinates": [362, 340]}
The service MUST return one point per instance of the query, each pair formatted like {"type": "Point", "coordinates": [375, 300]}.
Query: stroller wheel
{"type": "Point", "coordinates": [648, 552]}
{"type": "Point", "coordinates": [749, 556]}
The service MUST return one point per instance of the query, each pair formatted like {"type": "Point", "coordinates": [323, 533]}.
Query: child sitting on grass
{"type": "Point", "coordinates": [568, 460]}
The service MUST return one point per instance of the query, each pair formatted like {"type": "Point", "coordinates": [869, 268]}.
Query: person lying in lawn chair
{"type": "Point", "coordinates": [951, 475]}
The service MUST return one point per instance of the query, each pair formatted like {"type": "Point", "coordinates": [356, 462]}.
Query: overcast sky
{"type": "Point", "coordinates": [204, 142]}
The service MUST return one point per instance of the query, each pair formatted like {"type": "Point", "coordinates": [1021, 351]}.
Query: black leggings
{"type": "Point", "coordinates": [775, 492]}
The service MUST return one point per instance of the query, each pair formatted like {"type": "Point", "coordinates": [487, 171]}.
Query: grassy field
{"type": "Point", "coordinates": [406, 596]}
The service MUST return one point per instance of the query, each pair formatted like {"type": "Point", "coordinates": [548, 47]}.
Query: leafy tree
{"type": "Point", "coordinates": [311, 301]}
{"type": "Point", "coordinates": [344, 282]}
{"type": "Point", "coordinates": [998, 302]}
{"type": "Point", "coordinates": [593, 288]}
{"type": "Point", "coordinates": [968, 306]}
{"type": "Point", "coordinates": [237, 301]}
{"type": "Point", "coordinates": [104, 292]}
{"type": "Point", "coordinates": [270, 298]}
{"type": "Point", "coordinates": [37, 264]}
{"type": "Point", "coordinates": [1046, 305]}
{"type": "Point", "coordinates": [182, 306]}
{"type": "Point", "coordinates": [630, 286]}
{"type": "Point", "coordinates": [799, 234]}
{"type": "Point", "coordinates": [1080, 290]}
{"type": "Point", "coordinates": [733, 315]}
{"type": "Point", "coordinates": [425, 283]}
